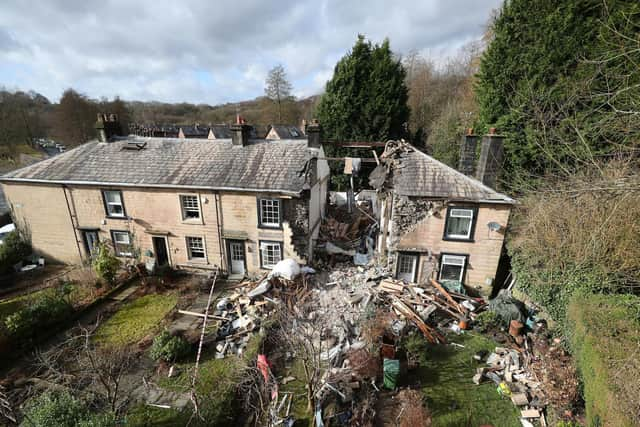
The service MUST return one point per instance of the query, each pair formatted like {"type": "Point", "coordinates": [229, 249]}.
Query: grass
{"type": "Point", "coordinates": [136, 319]}
{"type": "Point", "coordinates": [12, 305]}
{"type": "Point", "coordinates": [605, 341]}
{"type": "Point", "coordinates": [142, 415]}
{"type": "Point", "coordinates": [452, 397]}
{"type": "Point", "coordinates": [299, 389]}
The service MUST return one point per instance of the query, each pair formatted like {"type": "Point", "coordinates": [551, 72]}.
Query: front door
{"type": "Point", "coordinates": [91, 242]}
{"type": "Point", "coordinates": [160, 249]}
{"type": "Point", "coordinates": [236, 256]}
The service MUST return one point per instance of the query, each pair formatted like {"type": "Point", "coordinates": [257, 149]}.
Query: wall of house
{"type": "Point", "coordinates": [240, 218]}
{"type": "Point", "coordinates": [426, 239]}
{"type": "Point", "coordinates": [318, 196]}
{"type": "Point", "coordinates": [41, 212]}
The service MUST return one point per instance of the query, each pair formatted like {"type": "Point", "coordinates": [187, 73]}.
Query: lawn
{"type": "Point", "coordinates": [452, 397]}
{"type": "Point", "coordinates": [136, 319]}
{"type": "Point", "coordinates": [12, 305]}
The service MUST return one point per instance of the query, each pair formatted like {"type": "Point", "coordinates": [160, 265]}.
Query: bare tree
{"type": "Point", "coordinates": [278, 88]}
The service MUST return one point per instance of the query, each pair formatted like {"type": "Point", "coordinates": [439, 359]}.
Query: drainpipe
{"type": "Point", "coordinates": [73, 225]}
{"type": "Point", "coordinates": [219, 223]}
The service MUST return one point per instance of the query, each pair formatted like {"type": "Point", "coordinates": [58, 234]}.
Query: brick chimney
{"type": "Point", "coordinates": [107, 126]}
{"type": "Point", "coordinates": [468, 153]}
{"type": "Point", "coordinates": [313, 132]}
{"type": "Point", "coordinates": [240, 132]}
{"type": "Point", "coordinates": [491, 156]}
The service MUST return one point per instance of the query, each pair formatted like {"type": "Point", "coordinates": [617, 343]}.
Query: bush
{"type": "Point", "coordinates": [63, 410]}
{"type": "Point", "coordinates": [106, 264]}
{"type": "Point", "coordinates": [417, 348]}
{"type": "Point", "coordinates": [605, 342]}
{"type": "Point", "coordinates": [49, 307]}
{"type": "Point", "coordinates": [12, 251]}
{"type": "Point", "coordinates": [487, 320]}
{"type": "Point", "coordinates": [168, 347]}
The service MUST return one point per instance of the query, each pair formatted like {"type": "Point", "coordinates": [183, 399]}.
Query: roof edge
{"type": "Point", "coordinates": [130, 185]}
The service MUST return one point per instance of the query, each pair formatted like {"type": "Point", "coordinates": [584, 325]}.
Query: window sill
{"type": "Point", "coordinates": [270, 227]}
{"type": "Point", "coordinates": [196, 261]}
{"type": "Point", "coordinates": [116, 217]}
{"type": "Point", "coordinates": [194, 221]}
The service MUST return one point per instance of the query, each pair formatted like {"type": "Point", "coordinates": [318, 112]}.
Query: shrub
{"type": "Point", "coordinates": [106, 264]}
{"type": "Point", "coordinates": [63, 410]}
{"type": "Point", "coordinates": [12, 250]}
{"type": "Point", "coordinates": [487, 320]}
{"type": "Point", "coordinates": [168, 347]}
{"type": "Point", "coordinates": [417, 348]}
{"type": "Point", "coordinates": [48, 307]}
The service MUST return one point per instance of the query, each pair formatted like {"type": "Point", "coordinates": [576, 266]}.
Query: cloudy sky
{"type": "Point", "coordinates": [211, 51]}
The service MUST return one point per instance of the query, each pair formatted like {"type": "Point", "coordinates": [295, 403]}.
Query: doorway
{"type": "Point", "coordinates": [91, 242]}
{"type": "Point", "coordinates": [160, 250]}
{"type": "Point", "coordinates": [236, 256]}
{"type": "Point", "coordinates": [407, 267]}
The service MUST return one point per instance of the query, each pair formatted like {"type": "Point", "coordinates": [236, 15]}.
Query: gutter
{"type": "Point", "coordinates": [143, 185]}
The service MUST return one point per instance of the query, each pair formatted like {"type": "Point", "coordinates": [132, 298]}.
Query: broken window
{"type": "Point", "coordinates": [270, 253]}
{"type": "Point", "coordinates": [195, 248]}
{"type": "Point", "coordinates": [452, 267]}
{"type": "Point", "coordinates": [122, 243]}
{"type": "Point", "coordinates": [190, 207]}
{"type": "Point", "coordinates": [459, 223]}
{"type": "Point", "coordinates": [269, 213]}
{"type": "Point", "coordinates": [406, 267]}
{"type": "Point", "coordinates": [113, 203]}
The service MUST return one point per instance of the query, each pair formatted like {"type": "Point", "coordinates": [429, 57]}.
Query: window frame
{"type": "Point", "coordinates": [190, 257]}
{"type": "Point", "coordinates": [270, 226]}
{"type": "Point", "coordinates": [106, 204]}
{"type": "Point", "coordinates": [464, 267]}
{"type": "Point", "coordinates": [183, 210]}
{"type": "Point", "coordinates": [416, 264]}
{"type": "Point", "coordinates": [270, 242]}
{"type": "Point", "coordinates": [115, 245]}
{"type": "Point", "coordinates": [472, 226]}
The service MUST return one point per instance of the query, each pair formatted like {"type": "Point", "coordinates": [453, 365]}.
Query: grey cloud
{"type": "Point", "coordinates": [152, 49]}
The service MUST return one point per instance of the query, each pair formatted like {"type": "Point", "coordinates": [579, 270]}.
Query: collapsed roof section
{"type": "Point", "coordinates": [407, 171]}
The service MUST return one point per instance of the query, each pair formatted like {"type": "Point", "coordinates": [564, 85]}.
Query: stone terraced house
{"type": "Point", "coordinates": [238, 204]}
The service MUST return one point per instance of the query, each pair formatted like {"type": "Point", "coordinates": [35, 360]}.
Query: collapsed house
{"type": "Point", "coordinates": [437, 222]}
{"type": "Point", "coordinates": [239, 204]}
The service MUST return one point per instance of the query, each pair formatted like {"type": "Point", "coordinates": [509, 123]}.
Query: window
{"type": "Point", "coordinates": [459, 224]}
{"type": "Point", "coordinates": [113, 203]}
{"type": "Point", "coordinates": [122, 243]}
{"type": "Point", "coordinates": [270, 253]}
{"type": "Point", "coordinates": [452, 267]}
{"type": "Point", "coordinates": [195, 248]}
{"type": "Point", "coordinates": [190, 207]}
{"type": "Point", "coordinates": [406, 267]}
{"type": "Point", "coordinates": [269, 213]}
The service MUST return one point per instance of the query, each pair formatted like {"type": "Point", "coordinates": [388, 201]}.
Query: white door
{"type": "Point", "coordinates": [406, 269]}
{"type": "Point", "coordinates": [236, 254]}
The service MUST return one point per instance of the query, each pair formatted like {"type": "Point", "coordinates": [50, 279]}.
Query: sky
{"type": "Point", "coordinates": [212, 51]}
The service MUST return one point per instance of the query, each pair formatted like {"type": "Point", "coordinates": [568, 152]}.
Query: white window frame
{"type": "Point", "coordinates": [264, 204]}
{"type": "Point", "coordinates": [116, 242]}
{"type": "Point", "coordinates": [263, 257]}
{"type": "Point", "coordinates": [190, 249]}
{"type": "Point", "coordinates": [186, 209]}
{"type": "Point", "coordinates": [455, 212]}
{"type": "Point", "coordinates": [414, 261]}
{"type": "Point", "coordinates": [456, 260]}
{"type": "Point", "coordinates": [108, 204]}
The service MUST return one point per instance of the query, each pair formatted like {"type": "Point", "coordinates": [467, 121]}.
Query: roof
{"type": "Point", "coordinates": [287, 131]}
{"type": "Point", "coordinates": [420, 175]}
{"type": "Point", "coordinates": [170, 162]}
{"type": "Point", "coordinates": [195, 131]}
{"type": "Point", "coordinates": [221, 131]}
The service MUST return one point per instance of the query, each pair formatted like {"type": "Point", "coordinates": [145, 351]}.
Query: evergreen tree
{"type": "Point", "coordinates": [538, 82]}
{"type": "Point", "coordinates": [367, 98]}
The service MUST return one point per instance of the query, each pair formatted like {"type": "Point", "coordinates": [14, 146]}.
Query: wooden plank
{"type": "Point", "coordinates": [449, 298]}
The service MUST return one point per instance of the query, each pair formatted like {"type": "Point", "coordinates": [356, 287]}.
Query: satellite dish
{"type": "Point", "coordinates": [494, 226]}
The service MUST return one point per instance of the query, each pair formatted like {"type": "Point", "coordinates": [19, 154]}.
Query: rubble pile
{"type": "Point", "coordinates": [349, 233]}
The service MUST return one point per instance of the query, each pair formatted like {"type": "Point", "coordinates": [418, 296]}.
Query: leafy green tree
{"type": "Point", "coordinates": [366, 99]}
{"type": "Point", "coordinates": [541, 76]}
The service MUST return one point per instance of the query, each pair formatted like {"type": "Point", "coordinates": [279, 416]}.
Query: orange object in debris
{"type": "Point", "coordinates": [515, 328]}
{"type": "Point", "coordinates": [463, 323]}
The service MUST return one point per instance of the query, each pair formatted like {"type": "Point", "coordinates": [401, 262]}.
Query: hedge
{"type": "Point", "coordinates": [605, 337]}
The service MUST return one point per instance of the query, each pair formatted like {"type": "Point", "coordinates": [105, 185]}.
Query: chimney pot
{"type": "Point", "coordinates": [240, 132]}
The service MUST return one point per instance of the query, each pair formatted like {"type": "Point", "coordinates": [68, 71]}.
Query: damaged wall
{"type": "Point", "coordinates": [296, 213]}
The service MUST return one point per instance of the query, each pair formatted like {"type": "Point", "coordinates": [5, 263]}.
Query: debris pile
{"type": "Point", "coordinates": [349, 234]}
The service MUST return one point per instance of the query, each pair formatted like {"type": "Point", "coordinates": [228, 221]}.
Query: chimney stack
{"type": "Point", "coordinates": [240, 132]}
{"type": "Point", "coordinates": [491, 156]}
{"type": "Point", "coordinates": [107, 126]}
{"type": "Point", "coordinates": [468, 153]}
{"type": "Point", "coordinates": [313, 131]}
